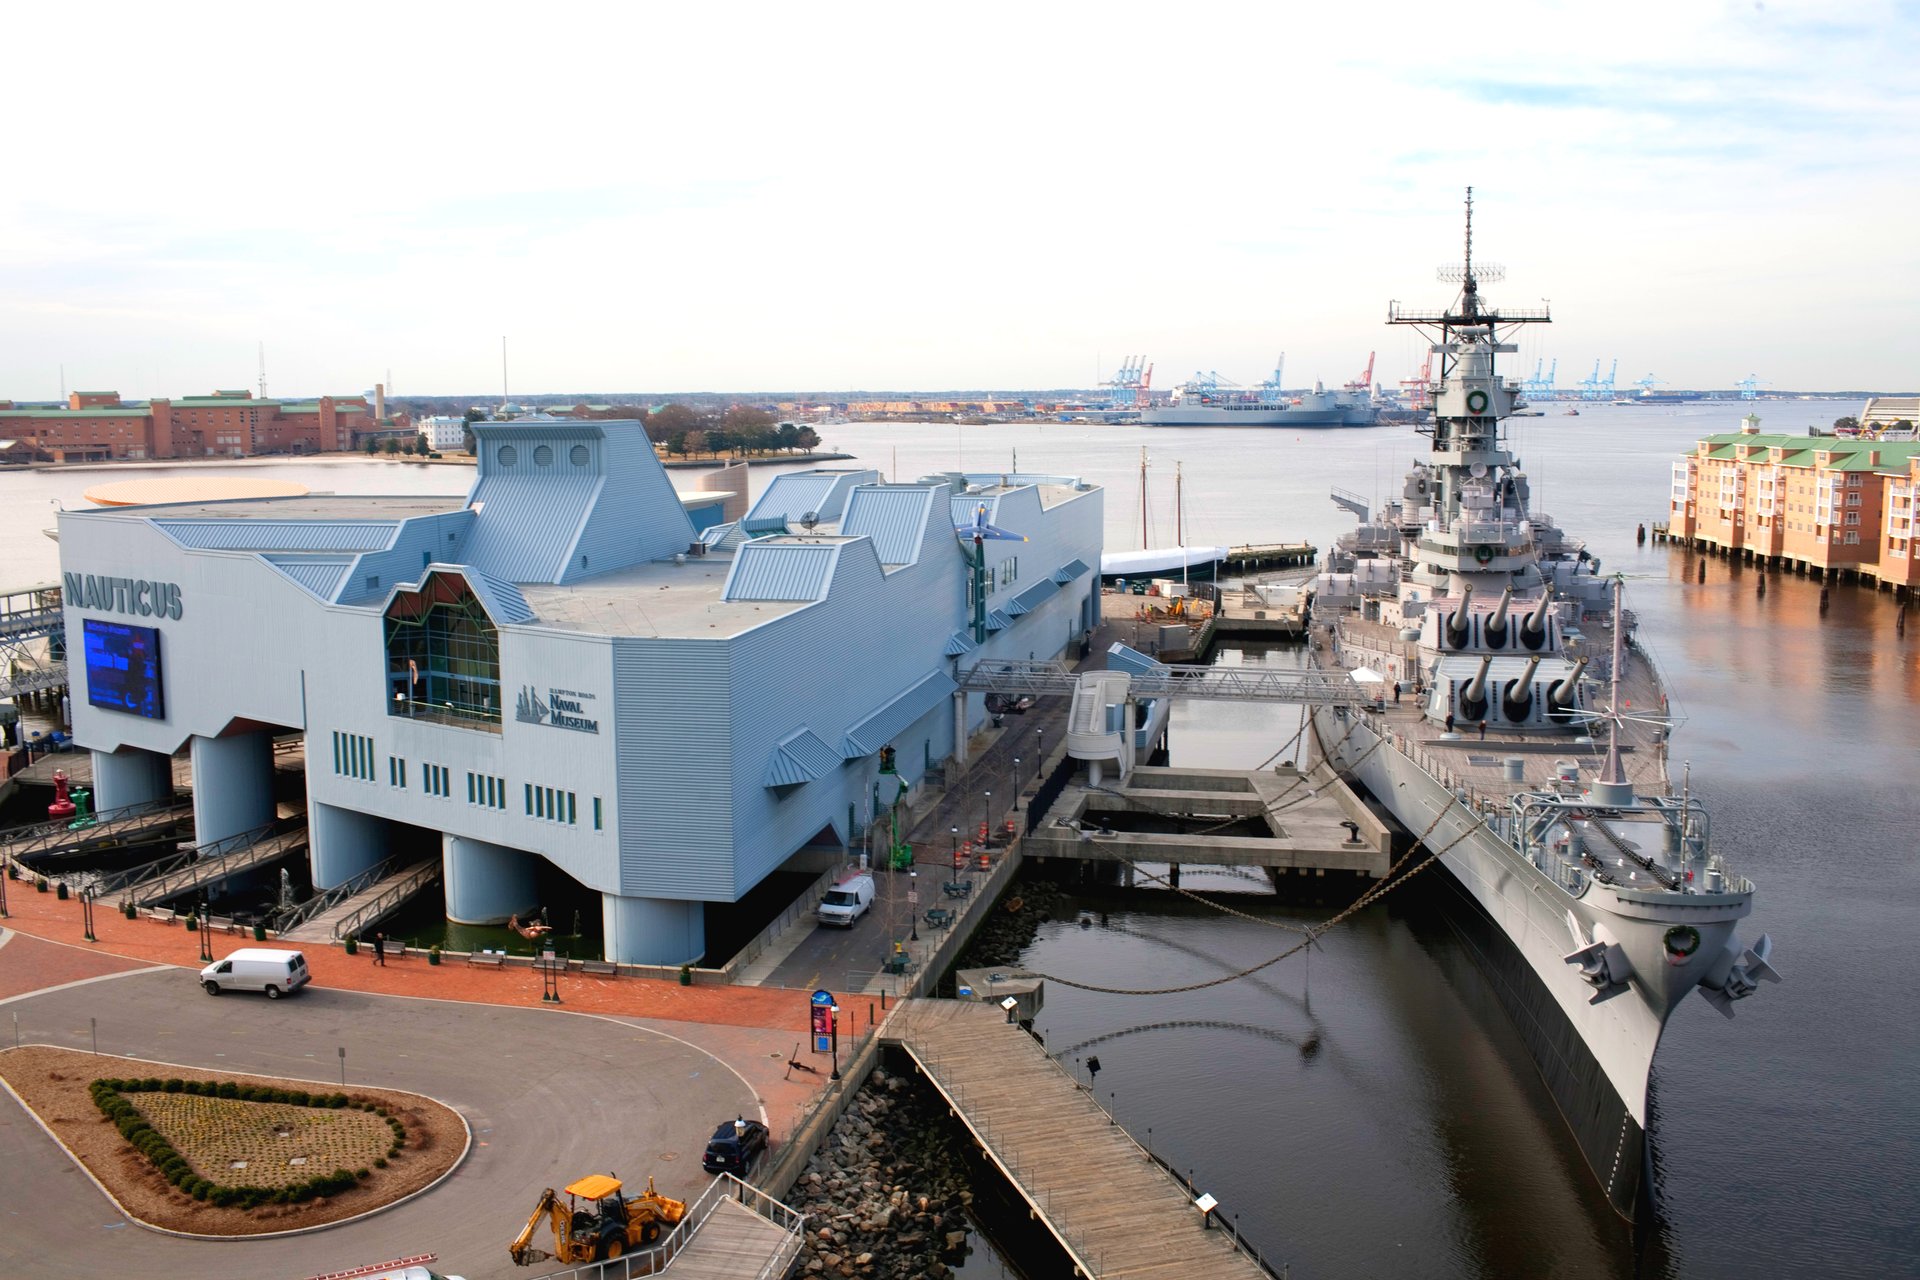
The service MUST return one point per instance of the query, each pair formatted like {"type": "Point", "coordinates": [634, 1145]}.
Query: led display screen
{"type": "Point", "coordinates": [123, 668]}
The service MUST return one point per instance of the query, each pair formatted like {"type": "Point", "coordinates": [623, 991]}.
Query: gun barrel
{"type": "Point", "coordinates": [1476, 690]}
{"type": "Point", "coordinates": [1498, 622]}
{"type": "Point", "coordinates": [1538, 618]}
{"type": "Point", "coordinates": [1561, 694]}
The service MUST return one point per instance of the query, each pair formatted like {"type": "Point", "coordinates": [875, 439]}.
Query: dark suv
{"type": "Point", "coordinates": [734, 1147]}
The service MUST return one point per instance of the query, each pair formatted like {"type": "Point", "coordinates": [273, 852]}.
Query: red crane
{"type": "Point", "coordinates": [1364, 382]}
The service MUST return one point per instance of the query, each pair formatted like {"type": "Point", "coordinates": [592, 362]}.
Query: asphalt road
{"type": "Point", "coordinates": [549, 1096]}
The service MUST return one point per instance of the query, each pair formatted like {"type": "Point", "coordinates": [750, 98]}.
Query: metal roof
{"type": "Point", "coordinates": [997, 620]}
{"type": "Point", "coordinates": [1069, 571]}
{"type": "Point", "coordinates": [965, 506]}
{"type": "Point", "coordinates": [771, 569]}
{"type": "Point", "coordinates": [895, 518]}
{"type": "Point", "coordinates": [714, 535]}
{"type": "Point", "coordinates": [867, 736]}
{"type": "Point", "coordinates": [1131, 661]}
{"type": "Point", "coordinates": [502, 600]}
{"type": "Point", "coordinates": [799, 757]}
{"type": "Point", "coordinates": [1031, 598]}
{"type": "Point", "coordinates": [529, 524]}
{"type": "Point", "coordinates": [957, 644]}
{"type": "Point", "coordinates": [267, 535]}
{"type": "Point", "coordinates": [320, 576]}
{"type": "Point", "coordinates": [792, 496]}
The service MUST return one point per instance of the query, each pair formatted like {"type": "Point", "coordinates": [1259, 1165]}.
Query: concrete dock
{"type": "Point", "coordinates": [1280, 819]}
{"type": "Point", "coordinates": [1114, 1209]}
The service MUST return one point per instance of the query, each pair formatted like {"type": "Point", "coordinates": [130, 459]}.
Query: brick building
{"type": "Point", "coordinates": [98, 425]}
{"type": "Point", "coordinates": [1818, 504]}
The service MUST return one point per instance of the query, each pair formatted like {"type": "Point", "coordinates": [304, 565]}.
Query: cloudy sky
{"type": "Point", "coordinates": [830, 197]}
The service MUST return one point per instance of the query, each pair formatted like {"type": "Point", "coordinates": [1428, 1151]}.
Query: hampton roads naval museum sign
{"type": "Point", "coordinates": [123, 595]}
{"type": "Point", "coordinates": [561, 709]}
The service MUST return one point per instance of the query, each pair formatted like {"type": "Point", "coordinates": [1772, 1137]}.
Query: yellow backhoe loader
{"type": "Point", "coordinates": [596, 1223]}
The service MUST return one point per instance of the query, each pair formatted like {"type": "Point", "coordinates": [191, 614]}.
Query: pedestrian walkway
{"type": "Point", "coordinates": [1103, 1197]}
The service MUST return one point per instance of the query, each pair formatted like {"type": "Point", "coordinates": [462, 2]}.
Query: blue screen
{"type": "Point", "coordinates": [123, 668]}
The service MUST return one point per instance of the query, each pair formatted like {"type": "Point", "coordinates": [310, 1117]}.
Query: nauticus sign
{"type": "Point", "coordinates": [123, 595]}
{"type": "Point", "coordinates": [561, 708]}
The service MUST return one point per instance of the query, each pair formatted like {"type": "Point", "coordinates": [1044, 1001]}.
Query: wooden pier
{"type": "Point", "coordinates": [1115, 1210]}
{"type": "Point", "coordinates": [1268, 555]}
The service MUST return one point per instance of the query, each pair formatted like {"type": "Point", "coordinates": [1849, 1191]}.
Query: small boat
{"type": "Point", "coordinates": [1571, 413]}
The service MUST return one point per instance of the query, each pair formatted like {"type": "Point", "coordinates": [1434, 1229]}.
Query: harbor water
{"type": "Point", "coordinates": [1365, 1109]}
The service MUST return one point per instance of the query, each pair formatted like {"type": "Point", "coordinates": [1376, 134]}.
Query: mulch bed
{"type": "Point", "coordinates": [53, 1082]}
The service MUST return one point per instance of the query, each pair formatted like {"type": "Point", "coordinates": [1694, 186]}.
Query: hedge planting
{"type": "Point", "coordinates": [108, 1096]}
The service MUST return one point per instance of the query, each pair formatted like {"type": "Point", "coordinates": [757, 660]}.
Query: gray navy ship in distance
{"type": "Point", "coordinates": [1521, 734]}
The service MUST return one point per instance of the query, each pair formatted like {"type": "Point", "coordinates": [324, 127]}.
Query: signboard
{"type": "Point", "coordinates": [140, 596]}
{"type": "Point", "coordinates": [821, 1007]}
{"type": "Point", "coordinates": [561, 708]}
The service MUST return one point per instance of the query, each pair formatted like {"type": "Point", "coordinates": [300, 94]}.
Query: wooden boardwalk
{"type": "Point", "coordinates": [733, 1243]}
{"type": "Point", "coordinates": [1116, 1212]}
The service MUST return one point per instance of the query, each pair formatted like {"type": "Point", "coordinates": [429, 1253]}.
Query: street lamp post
{"type": "Point", "coordinates": [206, 931]}
{"type": "Point", "coordinates": [986, 812]}
{"type": "Point", "coordinates": [833, 1031]}
{"type": "Point", "coordinates": [913, 905]}
{"type": "Point", "coordinates": [6, 874]}
{"type": "Point", "coordinates": [86, 912]}
{"type": "Point", "coordinates": [1016, 784]}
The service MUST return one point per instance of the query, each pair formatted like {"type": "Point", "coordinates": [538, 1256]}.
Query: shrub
{"type": "Point", "coordinates": [174, 1084]}
{"type": "Point", "coordinates": [686, 975]}
{"type": "Point", "coordinates": [363, 1173]}
{"type": "Point", "coordinates": [299, 1097]}
{"type": "Point", "coordinates": [353, 945]}
{"type": "Point", "coordinates": [433, 955]}
{"type": "Point", "coordinates": [221, 1197]}
{"type": "Point", "coordinates": [193, 924]}
{"type": "Point", "coordinates": [381, 1163]}
{"type": "Point", "coordinates": [227, 1089]}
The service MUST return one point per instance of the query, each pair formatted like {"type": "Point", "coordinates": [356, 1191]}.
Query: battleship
{"type": "Point", "coordinates": [1210, 401]}
{"type": "Point", "coordinates": [1520, 733]}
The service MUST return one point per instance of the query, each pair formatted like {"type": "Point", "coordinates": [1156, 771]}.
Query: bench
{"type": "Point", "coordinates": [488, 959]}
{"type": "Point", "coordinates": [601, 968]}
{"type": "Point", "coordinates": [223, 924]}
{"type": "Point", "coordinates": [163, 914]}
{"type": "Point", "coordinates": [392, 947]}
{"type": "Point", "coordinates": [958, 888]}
{"type": "Point", "coordinates": [938, 917]}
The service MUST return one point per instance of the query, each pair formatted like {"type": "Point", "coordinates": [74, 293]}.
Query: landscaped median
{"type": "Point", "coordinates": [211, 1153]}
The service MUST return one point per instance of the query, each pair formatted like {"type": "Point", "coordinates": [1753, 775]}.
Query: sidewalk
{"type": "Point", "coordinates": [42, 915]}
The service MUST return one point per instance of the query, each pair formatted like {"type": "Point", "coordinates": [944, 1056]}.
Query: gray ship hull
{"type": "Point", "coordinates": [1594, 1058]}
{"type": "Point", "coordinates": [1205, 415]}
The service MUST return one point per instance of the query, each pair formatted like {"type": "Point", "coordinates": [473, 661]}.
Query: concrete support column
{"type": "Point", "coordinates": [653, 930]}
{"type": "Point", "coordinates": [130, 776]}
{"type": "Point", "coordinates": [344, 842]}
{"type": "Point", "coordinates": [232, 785]}
{"type": "Point", "coordinates": [960, 730]}
{"type": "Point", "coordinates": [486, 882]}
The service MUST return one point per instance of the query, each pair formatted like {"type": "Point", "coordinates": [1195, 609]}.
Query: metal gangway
{"type": "Point", "coordinates": [1251, 684]}
{"type": "Point", "coordinates": [28, 615]}
{"type": "Point", "coordinates": [358, 900]}
{"type": "Point", "coordinates": [110, 826]}
{"type": "Point", "coordinates": [732, 1231]}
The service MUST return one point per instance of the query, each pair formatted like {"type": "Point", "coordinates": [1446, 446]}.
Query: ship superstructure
{"type": "Point", "coordinates": [1522, 735]}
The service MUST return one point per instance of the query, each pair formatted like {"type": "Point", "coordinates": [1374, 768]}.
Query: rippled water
{"type": "Point", "coordinates": [1366, 1112]}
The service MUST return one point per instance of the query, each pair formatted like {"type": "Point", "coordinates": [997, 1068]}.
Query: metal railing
{"type": "Point", "coordinates": [210, 853]}
{"type": "Point", "coordinates": [422, 876]}
{"type": "Point", "coordinates": [1260, 684]}
{"type": "Point", "coordinates": [286, 918]}
{"type": "Point", "coordinates": [44, 837]}
{"type": "Point", "coordinates": [32, 679]}
{"type": "Point", "coordinates": [653, 1260]}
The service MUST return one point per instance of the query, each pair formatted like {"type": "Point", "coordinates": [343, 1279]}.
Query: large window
{"type": "Point", "coordinates": [443, 655]}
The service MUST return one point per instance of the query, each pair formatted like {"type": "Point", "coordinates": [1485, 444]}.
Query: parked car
{"type": "Point", "coordinates": [734, 1147]}
{"type": "Point", "coordinates": [276, 972]}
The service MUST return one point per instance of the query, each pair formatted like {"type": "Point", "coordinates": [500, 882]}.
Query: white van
{"type": "Point", "coordinates": [278, 973]}
{"type": "Point", "coordinates": [848, 900]}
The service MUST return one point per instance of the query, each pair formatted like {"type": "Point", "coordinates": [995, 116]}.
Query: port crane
{"type": "Point", "coordinates": [1648, 383]}
{"type": "Point", "coordinates": [1594, 387]}
{"type": "Point", "coordinates": [1750, 386]}
{"type": "Point", "coordinates": [1540, 387]}
{"type": "Point", "coordinates": [1419, 388]}
{"type": "Point", "coordinates": [1132, 385]}
{"type": "Point", "coordinates": [1364, 383]}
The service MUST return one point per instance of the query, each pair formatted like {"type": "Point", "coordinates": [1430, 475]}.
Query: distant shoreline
{"type": "Point", "coordinates": [302, 459]}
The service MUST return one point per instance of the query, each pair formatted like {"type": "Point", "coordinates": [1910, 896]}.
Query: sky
{"type": "Point", "coordinates": [833, 198]}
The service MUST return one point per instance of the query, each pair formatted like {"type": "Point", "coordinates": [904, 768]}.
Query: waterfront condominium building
{"type": "Point", "coordinates": [572, 671]}
{"type": "Point", "coordinates": [1825, 504]}
{"type": "Point", "coordinates": [98, 426]}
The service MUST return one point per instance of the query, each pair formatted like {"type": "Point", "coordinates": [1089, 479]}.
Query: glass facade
{"type": "Point", "coordinates": [443, 655]}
